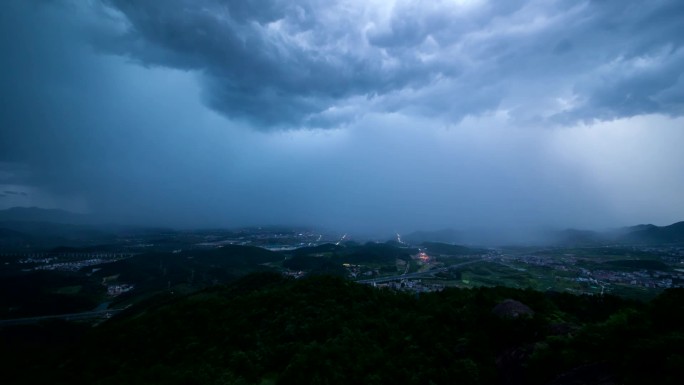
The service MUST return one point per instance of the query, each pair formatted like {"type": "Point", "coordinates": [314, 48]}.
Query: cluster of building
{"type": "Point", "coordinates": [34, 259]}
{"type": "Point", "coordinates": [411, 285]}
{"type": "Point", "coordinates": [67, 261]}
{"type": "Point", "coordinates": [293, 274]}
{"type": "Point", "coordinates": [73, 266]}
{"type": "Point", "coordinates": [119, 288]}
{"type": "Point", "coordinates": [564, 263]}
{"type": "Point", "coordinates": [356, 271]}
{"type": "Point", "coordinates": [268, 238]}
{"type": "Point", "coordinates": [641, 278]}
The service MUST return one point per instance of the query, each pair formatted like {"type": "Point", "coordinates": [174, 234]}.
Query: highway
{"type": "Point", "coordinates": [66, 317]}
{"type": "Point", "coordinates": [416, 275]}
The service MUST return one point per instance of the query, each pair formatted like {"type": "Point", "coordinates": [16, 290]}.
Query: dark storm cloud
{"type": "Point", "coordinates": [273, 62]}
{"type": "Point", "coordinates": [437, 112]}
{"type": "Point", "coordinates": [296, 63]}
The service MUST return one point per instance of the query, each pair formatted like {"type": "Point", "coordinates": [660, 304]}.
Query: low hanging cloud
{"type": "Point", "coordinates": [314, 63]}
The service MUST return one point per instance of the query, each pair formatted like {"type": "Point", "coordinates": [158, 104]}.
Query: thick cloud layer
{"type": "Point", "coordinates": [360, 116]}
{"type": "Point", "coordinates": [321, 63]}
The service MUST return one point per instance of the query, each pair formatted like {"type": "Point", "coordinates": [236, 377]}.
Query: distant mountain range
{"type": "Point", "coordinates": [640, 234]}
{"type": "Point", "coordinates": [21, 224]}
{"type": "Point", "coordinates": [22, 227]}
{"type": "Point", "coordinates": [634, 235]}
{"type": "Point", "coordinates": [36, 214]}
{"type": "Point", "coordinates": [673, 233]}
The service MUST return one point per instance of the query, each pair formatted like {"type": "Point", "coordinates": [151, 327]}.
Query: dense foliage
{"type": "Point", "coordinates": [325, 330]}
{"type": "Point", "coordinates": [25, 294]}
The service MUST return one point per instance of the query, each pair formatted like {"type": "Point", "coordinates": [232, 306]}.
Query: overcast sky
{"type": "Point", "coordinates": [354, 115]}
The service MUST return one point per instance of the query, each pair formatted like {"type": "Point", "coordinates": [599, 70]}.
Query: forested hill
{"type": "Point", "coordinates": [265, 329]}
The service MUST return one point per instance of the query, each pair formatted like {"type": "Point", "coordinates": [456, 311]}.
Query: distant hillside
{"type": "Point", "coordinates": [33, 227]}
{"type": "Point", "coordinates": [651, 234]}
{"type": "Point", "coordinates": [10, 239]}
{"type": "Point", "coordinates": [328, 258]}
{"type": "Point", "coordinates": [36, 214]}
{"type": "Point", "coordinates": [199, 268]}
{"type": "Point", "coordinates": [639, 234]}
{"type": "Point", "coordinates": [49, 234]}
{"type": "Point", "coordinates": [638, 228]}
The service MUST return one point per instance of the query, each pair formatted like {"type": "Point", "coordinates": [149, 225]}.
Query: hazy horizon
{"type": "Point", "coordinates": [372, 117]}
{"type": "Point", "coordinates": [485, 236]}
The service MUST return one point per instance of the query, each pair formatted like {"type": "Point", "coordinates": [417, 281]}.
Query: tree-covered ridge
{"type": "Point", "coordinates": [324, 330]}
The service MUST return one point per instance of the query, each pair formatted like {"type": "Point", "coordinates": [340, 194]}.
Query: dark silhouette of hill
{"type": "Point", "coordinates": [328, 258]}
{"type": "Point", "coordinates": [321, 330]}
{"type": "Point", "coordinates": [632, 229]}
{"type": "Point", "coordinates": [375, 253]}
{"type": "Point", "coordinates": [36, 214]}
{"type": "Point", "coordinates": [651, 234]}
{"type": "Point", "coordinates": [36, 228]}
{"type": "Point", "coordinates": [12, 239]}
{"type": "Point", "coordinates": [370, 252]}
{"type": "Point", "coordinates": [23, 234]}
{"type": "Point", "coordinates": [40, 292]}
{"type": "Point", "coordinates": [156, 271]}
{"type": "Point", "coordinates": [640, 234]}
